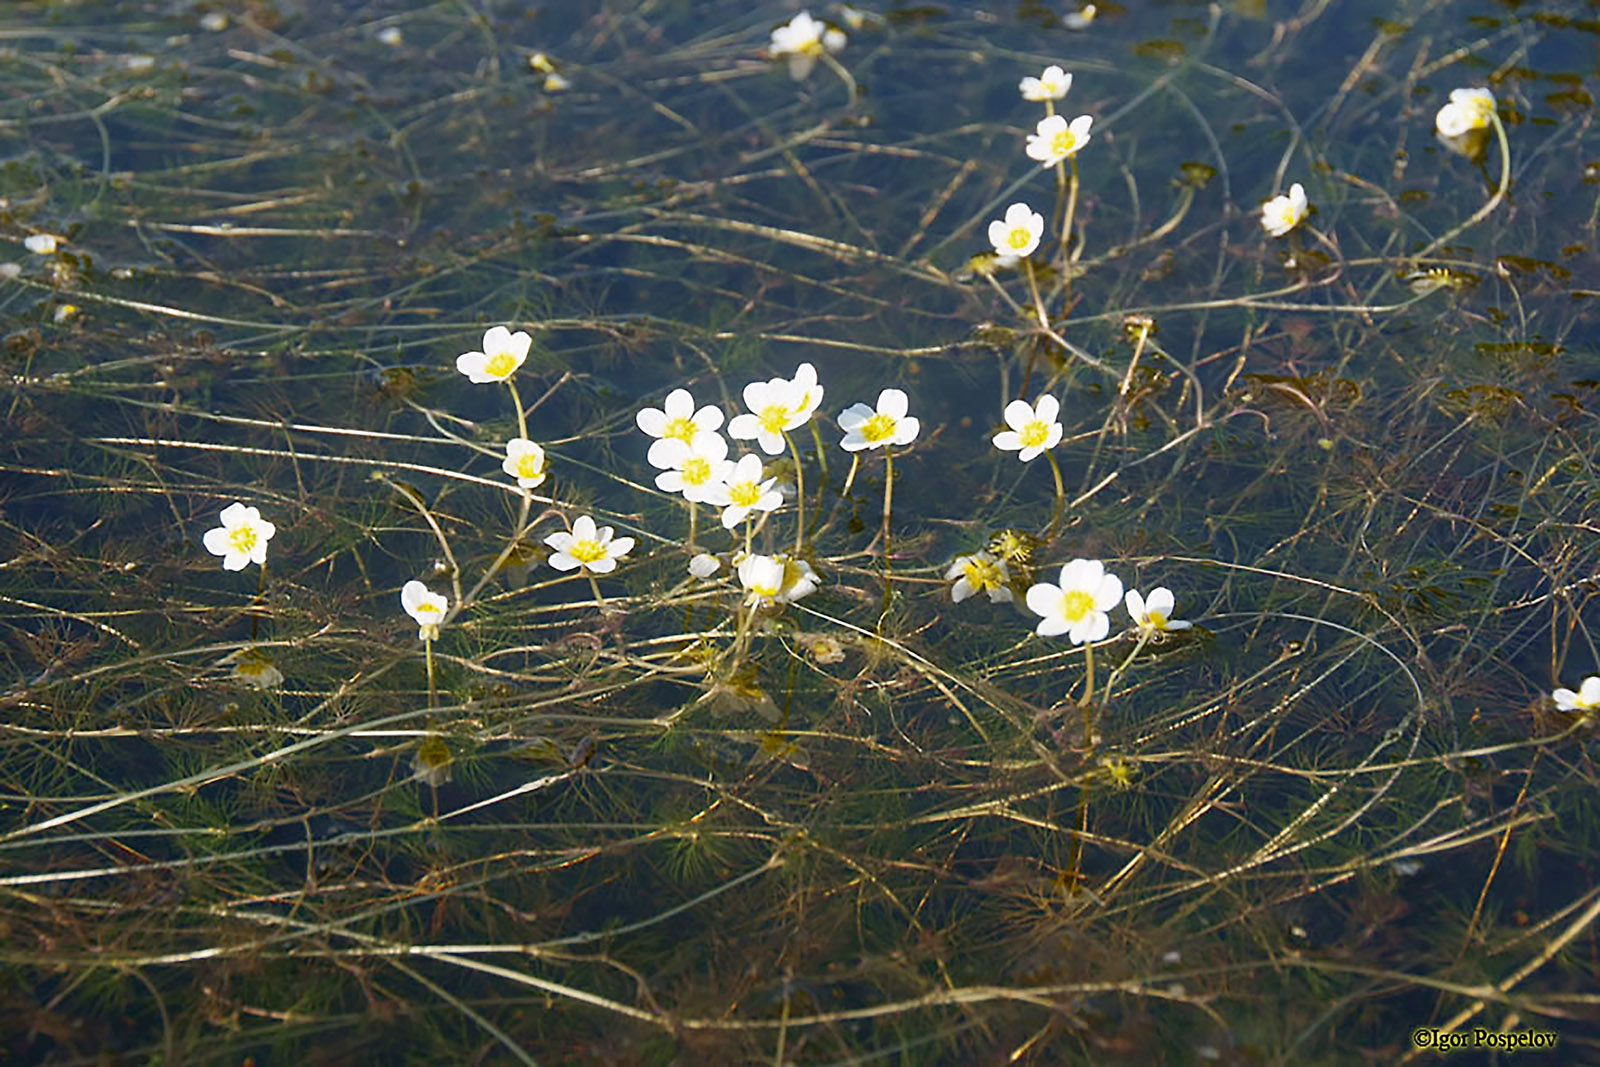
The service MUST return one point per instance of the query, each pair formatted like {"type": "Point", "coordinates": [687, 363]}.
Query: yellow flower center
{"type": "Point", "coordinates": [242, 538]}
{"type": "Point", "coordinates": [880, 427]}
{"type": "Point", "coordinates": [1034, 434]}
{"type": "Point", "coordinates": [1019, 238]}
{"type": "Point", "coordinates": [744, 494]}
{"type": "Point", "coordinates": [1064, 143]}
{"type": "Point", "coordinates": [774, 417]}
{"type": "Point", "coordinates": [696, 471]}
{"type": "Point", "coordinates": [982, 574]}
{"type": "Point", "coordinates": [428, 607]}
{"type": "Point", "coordinates": [530, 465]}
{"type": "Point", "coordinates": [681, 429]}
{"type": "Point", "coordinates": [1075, 604]}
{"type": "Point", "coordinates": [587, 551]}
{"type": "Point", "coordinates": [500, 365]}
{"type": "Point", "coordinates": [1156, 620]}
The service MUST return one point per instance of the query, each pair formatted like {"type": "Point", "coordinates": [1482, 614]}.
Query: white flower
{"type": "Point", "coordinates": [428, 609]}
{"type": "Point", "coordinates": [241, 539]}
{"type": "Point", "coordinates": [744, 491]}
{"type": "Point", "coordinates": [41, 244]}
{"type": "Point", "coordinates": [556, 83]}
{"type": "Point", "coordinates": [525, 462]}
{"type": "Point", "coordinates": [503, 352]}
{"type": "Point", "coordinates": [1284, 212]}
{"type": "Point", "coordinates": [1154, 615]}
{"type": "Point", "coordinates": [695, 471]}
{"type": "Point", "coordinates": [1080, 19]}
{"type": "Point", "coordinates": [1055, 139]}
{"type": "Point", "coordinates": [1587, 698]}
{"type": "Point", "coordinates": [980, 573]}
{"type": "Point", "coordinates": [1018, 234]}
{"type": "Point", "coordinates": [677, 420]}
{"type": "Point", "coordinates": [762, 578]}
{"type": "Point", "coordinates": [391, 36]}
{"type": "Point", "coordinates": [776, 579]}
{"type": "Point", "coordinates": [1077, 607]}
{"type": "Point", "coordinates": [213, 22]}
{"type": "Point", "coordinates": [1034, 428]}
{"type": "Point", "coordinates": [704, 565]}
{"type": "Point", "coordinates": [1051, 85]}
{"type": "Point", "coordinates": [254, 667]}
{"type": "Point", "coordinates": [1468, 110]}
{"type": "Point", "coordinates": [802, 41]}
{"type": "Point", "coordinates": [588, 547]}
{"type": "Point", "coordinates": [777, 406]}
{"type": "Point", "coordinates": [889, 425]}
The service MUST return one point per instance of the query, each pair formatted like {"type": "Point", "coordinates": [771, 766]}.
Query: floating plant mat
{"type": "Point", "coordinates": [648, 531]}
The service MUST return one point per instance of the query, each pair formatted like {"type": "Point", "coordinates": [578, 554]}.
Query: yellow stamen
{"type": "Point", "coordinates": [1075, 604]}
{"type": "Point", "coordinates": [878, 428]}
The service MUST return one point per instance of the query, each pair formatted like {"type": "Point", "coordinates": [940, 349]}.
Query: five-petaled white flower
{"type": "Point", "coordinates": [744, 491]}
{"type": "Point", "coordinates": [1055, 138]}
{"type": "Point", "coordinates": [1018, 234]}
{"type": "Point", "coordinates": [889, 425]}
{"type": "Point", "coordinates": [241, 539]}
{"type": "Point", "coordinates": [1077, 607]}
{"type": "Point", "coordinates": [802, 41]}
{"type": "Point", "coordinates": [1587, 698]}
{"type": "Point", "coordinates": [980, 573]}
{"type": "Point", "coordinates": [1153, 615]}
{"type": "Point", "coordinates": [777, 406]}
{"type": "Point", "coordinates": [41, 244]}
{"type": "Point", "coordinates": [1034, 428]}
{"type": "Point", "coordinates": [1285, 211]}
{"type": "Point", "coordinates": [677, 420]}
{"type": "Point", "coordinates": [798, 580]}
{"type": "Point", "coordinates": [593, 549]}
{"type": "Point", "coordinates": [1051, 85]}
{"type": "Point", "coordinates": [525, 462]}
{"type": "Point", "coordinates": [695, 470]}
{"type": "Point", "coordinates": [503, 352]}
{"type": "Point", "coordinates": [1468, 110]}
{"type": "Point", "coordinates": [428, 609]}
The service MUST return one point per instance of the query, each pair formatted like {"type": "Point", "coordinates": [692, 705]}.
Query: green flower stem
{"type": "Point", "coordinates": [822, 453]}
{"type": "Point", "coordinates": [427, 654]}
{"type": "Point", "coordinates": [888, 543]}
{"type": "Point", "coordinates": [694, 522]}
{"type": "Point", "coordinates": [516, 402]}
{"type": "Point", "coordinates": [1061, 495]}
{"type": "Point", "coordinates": [1066, 223]}
{"type": "Point", "coordinates": [599, 601]}
{"type": "Point", "coordinates": [799, 495]}
{"type": "Point", "coordinates": [1493, 201]}
{"type": "Point", "coordinates": [1085, 701]}
{"type": "Point", "coordinates": [1116, 675]}
{"type": "Point", "coordinates": [255, 607]}
{"type": "Point", "coordinates": [1038, 301]}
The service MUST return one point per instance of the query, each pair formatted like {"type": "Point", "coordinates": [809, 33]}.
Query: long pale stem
{"type": "Point", "coordinates": [888, 544]}
{"type": "Point", "coordinates": [599, 601]}
{"type": "Point", "coordinates": [1038, 301]}
{"type": "Point", "coordinates": [694, 522]}
{"type": "Point", "coordinates": [799, 495]}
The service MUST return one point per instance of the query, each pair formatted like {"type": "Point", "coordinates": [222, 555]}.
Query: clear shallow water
{"type": "Point", "coordinates": [1341, 808]}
